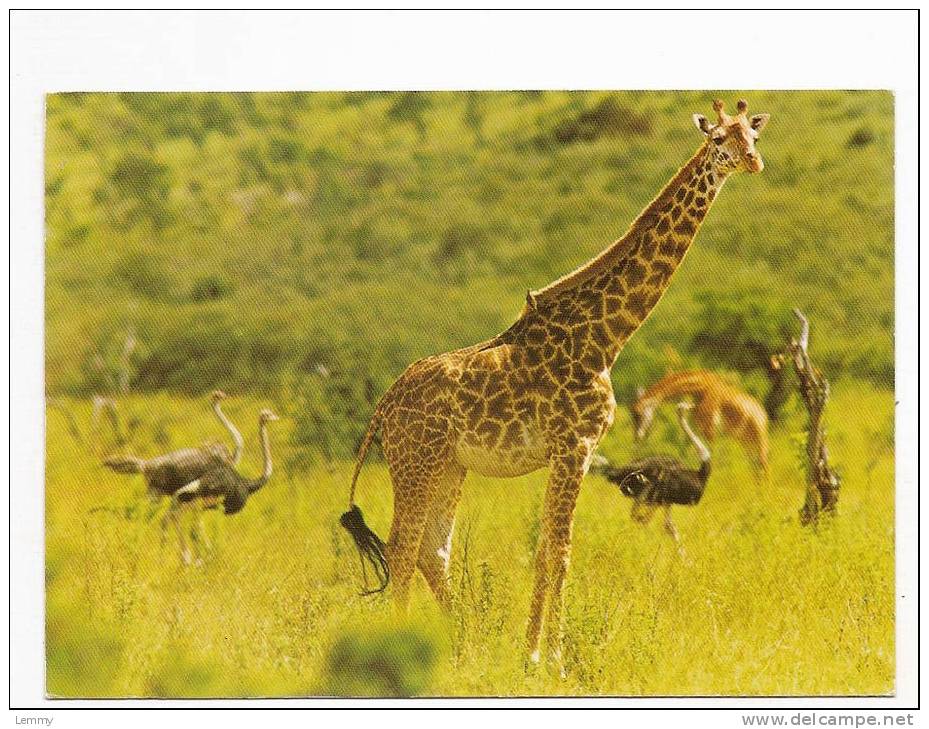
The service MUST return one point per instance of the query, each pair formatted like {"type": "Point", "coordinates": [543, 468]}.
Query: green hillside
{"type": "Point", "coordinates": [310, 246]}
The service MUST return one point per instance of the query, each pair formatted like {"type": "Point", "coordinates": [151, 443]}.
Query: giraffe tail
{"type": "Point", "coordinates": [370, 546]}
{"type": "Point", "coordinates": [373, 427]}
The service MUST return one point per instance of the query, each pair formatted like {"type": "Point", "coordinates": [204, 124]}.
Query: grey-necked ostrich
{"type": "Point", "coordinates": [224, 485]}
{"type": "Point", "coordinates": [164, 475]}
{"type": "Point", "coordinates": [660, 481]}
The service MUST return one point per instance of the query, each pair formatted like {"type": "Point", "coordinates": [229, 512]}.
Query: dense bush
{"type": "Point", "coordinates": [247, 238]}
{"type": "Point", "coordinates": [606, 119]}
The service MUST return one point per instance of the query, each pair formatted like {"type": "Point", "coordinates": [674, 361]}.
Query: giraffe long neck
{"type": "Point", "coordinates": [615, 292]}
{"type": "Point", "coordinates": [266, 453]}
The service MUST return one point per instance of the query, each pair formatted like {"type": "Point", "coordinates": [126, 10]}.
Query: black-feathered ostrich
{"type": "Point", "coordinates": [224, 485]}
{"type": "Point", "coordinates": [660, 481]}
{"type": "Point", "coordinates": [166, 474]}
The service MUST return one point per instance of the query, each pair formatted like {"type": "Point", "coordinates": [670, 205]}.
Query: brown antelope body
{"type": "Point", "coordinates": [718, 408]}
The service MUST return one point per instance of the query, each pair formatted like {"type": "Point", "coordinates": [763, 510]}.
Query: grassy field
{"type": "Point", "coordinates": [759, 605]}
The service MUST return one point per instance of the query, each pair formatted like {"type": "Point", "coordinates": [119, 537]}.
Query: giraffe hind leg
{"type": "Point", "coordinates": [436, 546]}
{"type": "Point", "coordinates": [414, 490]}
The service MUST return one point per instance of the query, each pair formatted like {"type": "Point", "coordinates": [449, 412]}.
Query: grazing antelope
{"type": "Point", "coordinates": [719, 406]}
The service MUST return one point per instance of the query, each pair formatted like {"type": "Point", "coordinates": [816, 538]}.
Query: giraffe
{"type": "Point", "coordinates": [719, 406]}
{"type": "Point", "coordinates": [537, 395]}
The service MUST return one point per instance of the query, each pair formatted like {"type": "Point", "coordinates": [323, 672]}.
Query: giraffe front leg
{"type": "Point", "coordinates": [559, 556]}
{"type": "Point", "coordinates": [539, 594]}
{"type": "Point", "coordinates": [552, 559]}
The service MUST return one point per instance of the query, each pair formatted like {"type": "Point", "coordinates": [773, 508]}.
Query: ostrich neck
{"type": "Point", "coordinates": [236, 435]}
{"type": "Point", "coordinates": [701, 449]}
{"type": "Point", "coordinates": [266, 453]}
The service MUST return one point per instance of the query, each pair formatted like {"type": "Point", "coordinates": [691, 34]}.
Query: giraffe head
{"type": "Point", "coordinates": [733, 138]}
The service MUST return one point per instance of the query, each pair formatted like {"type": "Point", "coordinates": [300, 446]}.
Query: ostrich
{"type": "Point", "coordinates": [661, 480]}
{"type": "Point", "coordinates": [165, 474]}
{"type": "Point", "coordinates": [216, 398]}
{"type": "Point", "coordinates": [224, 484]}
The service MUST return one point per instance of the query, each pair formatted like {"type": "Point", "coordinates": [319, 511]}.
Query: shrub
{"type": "Point", "coordinates": [143, 183]}
{"type": "Point", "coordinates": [145, 275]}
{"type": "Point", "coordinates": [380, 662]}
{"type": "Point", "coordinates": [460, 239]}
{"type": "Point", "coordinates": [861, 137]}
{"type": "Point", "coordinates": [410, 107]}
{"type": "Point", "coordinates": [210, 288]}
{"type": "Point", "coordinates": [606, 119]}
{"type": "Point", "coordinates": [743, 332]}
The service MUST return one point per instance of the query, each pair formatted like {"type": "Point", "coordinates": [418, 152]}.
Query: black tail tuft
{"type": "Point", "coordinates": [370, 547]}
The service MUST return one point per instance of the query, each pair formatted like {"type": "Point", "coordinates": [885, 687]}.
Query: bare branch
{"type": "Point", "coordinates": [822, 482]}
{"type": "Point", "coordinates": [804, 341]}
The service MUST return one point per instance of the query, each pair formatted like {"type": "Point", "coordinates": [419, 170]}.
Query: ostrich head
{"type": "Point", "coordinates": [217, 396]}
{"type": "Point", "coordinates": [266, 416]}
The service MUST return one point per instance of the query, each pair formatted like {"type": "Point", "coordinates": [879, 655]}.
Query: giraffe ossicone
{"type": "Point", "coordinates": [538, 394]}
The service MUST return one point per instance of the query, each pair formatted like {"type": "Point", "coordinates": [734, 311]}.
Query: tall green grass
{"type": "Point", "coordinates": [759, 606]}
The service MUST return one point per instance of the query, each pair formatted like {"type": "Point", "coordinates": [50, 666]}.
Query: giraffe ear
{"type": "Point", "coordinates": [758, 121]}
{"type": "Point", "coordinates": [702, 123]}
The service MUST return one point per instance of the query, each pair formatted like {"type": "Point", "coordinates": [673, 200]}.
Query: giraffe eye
{"type": "Point", "coordinates": [717, 140]}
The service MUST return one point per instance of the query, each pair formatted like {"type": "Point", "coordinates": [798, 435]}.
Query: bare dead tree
{"type": "Point", "coordinates": [822, 490]}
